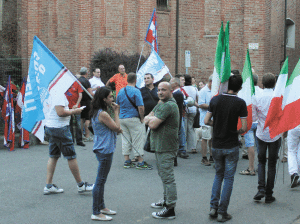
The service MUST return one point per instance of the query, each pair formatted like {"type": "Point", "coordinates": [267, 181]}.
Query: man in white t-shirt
{"type": "Point", "coordinates": [96, 81]}
{"type": "Point", "coordinates": [60, 142]}
{"type": "Point", "coordinates": [204, 98]}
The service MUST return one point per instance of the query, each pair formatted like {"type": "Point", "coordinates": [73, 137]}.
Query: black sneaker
{"type": "Point", "coordinates": [205, 162]}
{"type": "Point", "coordinates": [270, 199]}
{"type": "Point", "coordinates": [183, 155]}
{"type": "Point", "coordinates": [165, 213]}
{"type": "Point", "coordinates": [224, 217]}
{"type": "Point", "coordinates": [213, 213]}
{"type": "Point", "coordinates": [294, 180]}
{"type": "Point", "coordinates": [259, 196]}
{"type": "Point", "coordinates": [128, 164]}
{"type": "Point", "coordinates": [159, 204]}
{"type": "Point", "coordinates": [211, 160]}
{"type": "Point", "coordinates": [81, 144]}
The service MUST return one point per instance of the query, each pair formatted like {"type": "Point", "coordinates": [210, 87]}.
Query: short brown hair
{"type": "Point", "coordinates": [268, 80]}
{"type": "Point", "coordinates": [131, 78]}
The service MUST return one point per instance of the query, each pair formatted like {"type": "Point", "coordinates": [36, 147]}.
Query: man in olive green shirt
{"type": "Point", "coordinates": [164, 124]}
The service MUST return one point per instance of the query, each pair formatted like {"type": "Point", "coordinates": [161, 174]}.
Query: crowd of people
{"type": "Point", "coordinates": [165, 114]}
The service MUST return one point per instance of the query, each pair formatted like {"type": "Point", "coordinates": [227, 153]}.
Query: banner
{"type": "Point", "coordinates": [153, 65]}
{"type": "Point", "coordinates": [46, 75]}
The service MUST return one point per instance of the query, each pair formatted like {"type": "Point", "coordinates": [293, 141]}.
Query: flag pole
{"type": "Point", "coordinates": [87, 92]}
{"type": "Point", "coordinates": [140, 58]}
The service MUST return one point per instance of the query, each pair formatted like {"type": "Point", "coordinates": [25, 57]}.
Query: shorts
{"type": "Point", "coordinates": [85, 114]}
{"type": "Point", "coordinates": [207, 132]}
{"type": "Point", "coordinates": [249, 137]}
{"type": "Point", "coordinates": [60, 141]}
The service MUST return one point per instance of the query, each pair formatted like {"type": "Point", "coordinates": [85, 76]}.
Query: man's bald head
{"type": "Point", "coordinates": [164, 91]}
{"type": "Point", "coordinates": [175, 83]}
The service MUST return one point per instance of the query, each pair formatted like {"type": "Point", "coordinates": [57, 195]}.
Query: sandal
{"type": "Point", "coordinates": [248, 172]}
{"type": "Point", "coordinates": [245, 172]}
{"type": "Point", "coordinates": [193, 151]}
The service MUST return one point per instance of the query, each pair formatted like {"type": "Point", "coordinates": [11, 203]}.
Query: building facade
{"type": "Point", "coordinates": [74, 29]}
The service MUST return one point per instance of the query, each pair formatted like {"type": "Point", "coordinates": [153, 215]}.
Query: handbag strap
{"type": "Point", "coordinates": [130, 100]}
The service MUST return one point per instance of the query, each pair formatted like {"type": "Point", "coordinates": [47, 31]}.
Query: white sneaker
{"type": "Point", "coordinates": [53, 190]}
{"type": "Point", "coordinates": [107, 218]}
{"type": "Point", "coordinates": [109, 212]}
{"type": "Point", "coordinates": [85, 187]}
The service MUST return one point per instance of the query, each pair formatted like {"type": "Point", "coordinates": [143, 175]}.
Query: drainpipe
{"type": "Point", "coordinates": [177, 29]}
{"type": "Point", "coordinates": [285, 34]}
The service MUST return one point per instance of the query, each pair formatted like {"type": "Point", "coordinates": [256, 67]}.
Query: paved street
{"type": "Point", "coordinates": [130, 192]}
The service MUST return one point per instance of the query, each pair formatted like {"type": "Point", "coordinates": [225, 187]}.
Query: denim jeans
{"type": "Point", "coordinates": [105, 161]}
{"type": "Point", "coordinates": [182, 140]}
{"type": "Point", "coordinates": [77, 128]}
{"type": "Point", "coordinates": [225, 164]}
{"type": "Point", "coordinates": [273, 148]}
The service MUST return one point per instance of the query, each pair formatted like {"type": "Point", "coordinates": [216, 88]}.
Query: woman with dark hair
{"type": "Point", "coordinates": [105, 132]}
{"type": "Point", "coordinates": [190, 114]}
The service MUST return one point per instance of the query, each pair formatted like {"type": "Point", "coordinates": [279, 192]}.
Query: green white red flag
{"type": "Point", "coordinates": [275, 109]}
{"type": "Point", "coordinates": [222, 67]}
{"type": "Point", "coordinates": [247, 92]}
{"type": "Point", "coordinates": [290, 116]}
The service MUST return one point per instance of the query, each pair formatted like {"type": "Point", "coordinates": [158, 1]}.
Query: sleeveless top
{"type": "Point", "coordinates": [104, 138]}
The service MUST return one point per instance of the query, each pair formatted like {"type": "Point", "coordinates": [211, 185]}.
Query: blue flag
{"type": "Point", "coordinates": [46, 76]}
{"type": "Point", "coordinates": [153, 65]}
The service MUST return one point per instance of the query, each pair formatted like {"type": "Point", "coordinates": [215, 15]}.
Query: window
{"type": "Point", "coordinates": [290, 33]}
{"type": "Point", "coordinates": [162, 4]}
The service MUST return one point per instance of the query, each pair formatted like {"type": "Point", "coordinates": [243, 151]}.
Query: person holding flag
{"type": "Point", "coordinates": [261, 105]}
{"type": "Point", "coordinates": [9, 117]}
{"type": "Point", "coordinates": [60, 141]}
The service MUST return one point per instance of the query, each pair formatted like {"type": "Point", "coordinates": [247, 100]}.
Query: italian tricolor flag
{"type": "Point", "coordinates": [275, 109]}
{"type": "Point", "coordinates": [290, 115]}
{"type": "Point", "coordinates": [247, 92]}
{"type": "Point", "coordinates": [222, 67]}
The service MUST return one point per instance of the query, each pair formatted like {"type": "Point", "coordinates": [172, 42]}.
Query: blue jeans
{"type": "Point", "coordinates": [225, 164]}
{"type": "Point", "coordinates": [77, 128]}
{"type": "Point", "coordinates": [105, 161]}
{"type": "Point", "coordinates": [182, 140]}
{"type": "Point", "coordinates": [273, 148]}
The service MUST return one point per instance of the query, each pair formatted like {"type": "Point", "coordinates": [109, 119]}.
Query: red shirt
{"type": "Point", "coordinates": [73, 94]}
{"type": "Point", "coordinates": [119, 81]}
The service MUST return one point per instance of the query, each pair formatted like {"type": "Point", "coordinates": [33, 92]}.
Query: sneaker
{"type": "Point", "coordinates": [129, 164]}
{"type": "Point", "coordinates": [183, 155]}
{"type": "Point", "coordinates": [269, 199]}
{"type": "Point", "coordinates": [97, 218]}
{"type": "Point", "coordinates": [85, 187]}
{"type": "Point", "coordinates": [160, 204]}
{"type": "Point", "coordinates": [205, 162]}
{"type": "Point", "coordinates": [213, 213]}
{"type": "Point", "coordinates": [144, 166]}
{"type": "Point", "coordinates": [89, 139]}
{"type": "Point", "coordinates": [211, 160]}
{"type": "Point", "coordinates": [80, 144]}
{"type": "Point", "coordinates": [53, 190]}
{"type": "Point", "coordinates": [294, 180]}
{"type": "Point", "coordinates": [259, 196]}
{"type": "Point", "coordinates": [165, 213]}
{"type": "Point", "coordinates": [224, 217]}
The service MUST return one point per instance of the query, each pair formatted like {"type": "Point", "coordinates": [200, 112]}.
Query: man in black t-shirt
{"type": "Point", "coordinates": [149, 93]}
{"type": "Point", "coordinates": [225, 110]}
{"type": "Point", "coordinates": [85, 101]}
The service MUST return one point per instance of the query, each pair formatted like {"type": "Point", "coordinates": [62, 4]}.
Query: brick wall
{"type": "Point", "coordinates": [74, 30]}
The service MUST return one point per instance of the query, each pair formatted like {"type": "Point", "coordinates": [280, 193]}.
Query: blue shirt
{"type": "Point", "coordinates": [104, 138]}
{"type": "Point", "coordinates": [127, 110]}
{"type": "Point", "coordinates": [204, 97]}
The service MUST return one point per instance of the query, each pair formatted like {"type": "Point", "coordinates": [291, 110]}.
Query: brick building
{"type": "Point", "coordinates": [74, 29]}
